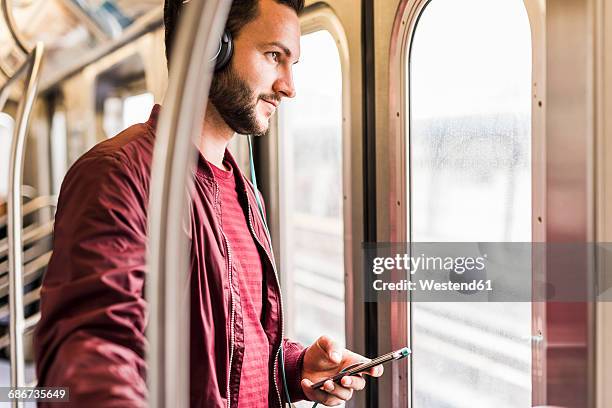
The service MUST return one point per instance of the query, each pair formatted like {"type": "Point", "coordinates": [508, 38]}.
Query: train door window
{"type": "Point", "coordinates": [121, 96]}
{"type": "Point", "coordinates": [59, 149]}
{"type": "Point", "coordinates": [469, 70]}
{"type": "Point", "coordinates": [120, 112]}
{"type": "Point", "coordinates": [311, 196]}
{"type": "Point", "coordinates": [6, 134]}
{"type": "Point", "coordinates": [137, 108]}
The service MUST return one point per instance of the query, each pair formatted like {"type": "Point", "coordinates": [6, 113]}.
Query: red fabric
{"type": "Point", "coordinates": [254, 377]}
{"type": "Point", "coordinates": [91, 336]}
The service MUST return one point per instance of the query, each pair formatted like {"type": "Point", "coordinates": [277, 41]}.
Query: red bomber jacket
{"type": "Point", "coordinates": [91, 336]}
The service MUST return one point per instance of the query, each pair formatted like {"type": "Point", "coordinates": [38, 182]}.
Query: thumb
{"type": "Point", "coordinates": [330, 348]}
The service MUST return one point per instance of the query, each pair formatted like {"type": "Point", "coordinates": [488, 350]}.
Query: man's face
{"type": "Point", "coordinates": [248, 91]}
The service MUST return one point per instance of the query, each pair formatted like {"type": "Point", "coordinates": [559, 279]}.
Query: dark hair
{"type": "Point", "coordinates": [241, 13]}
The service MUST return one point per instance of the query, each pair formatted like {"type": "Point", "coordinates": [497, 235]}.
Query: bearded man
{"type": "Point", "coordinates": [91, 337]}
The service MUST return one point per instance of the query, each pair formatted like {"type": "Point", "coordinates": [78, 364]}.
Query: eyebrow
{"type": "Point", "coordinates": [282, 46]}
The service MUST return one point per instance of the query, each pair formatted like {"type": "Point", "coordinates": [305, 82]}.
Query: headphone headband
{"type": "Point", "coordinates": [224, 51]}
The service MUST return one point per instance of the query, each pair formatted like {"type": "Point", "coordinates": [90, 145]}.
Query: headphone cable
{"type": "Point", "coordinates": [261, 212]}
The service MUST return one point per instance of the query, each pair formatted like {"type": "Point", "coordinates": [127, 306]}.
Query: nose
{"type": "Point", "coordinates": [284, 84]}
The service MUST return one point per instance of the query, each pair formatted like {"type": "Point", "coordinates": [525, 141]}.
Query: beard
{"type": "Point", "coordinates": [237, 103]}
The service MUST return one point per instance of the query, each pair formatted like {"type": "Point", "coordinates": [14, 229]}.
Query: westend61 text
{"type": "Point", "coordinates": [431, 285]}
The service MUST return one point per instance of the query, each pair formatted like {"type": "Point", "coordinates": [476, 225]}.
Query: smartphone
{"type": "Point", "coordinates": [365, 366]}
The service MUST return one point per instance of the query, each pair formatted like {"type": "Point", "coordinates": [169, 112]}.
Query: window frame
{"type": "Point", "coordinates": [318, 17]}
{"type": "Point", "coordinates": [406, 21]}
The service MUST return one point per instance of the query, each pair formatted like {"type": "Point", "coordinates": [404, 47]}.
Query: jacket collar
{"type": "Point", "coordinates": [204, 170]}
{"type": "Point", "coordinates": [153, 117]}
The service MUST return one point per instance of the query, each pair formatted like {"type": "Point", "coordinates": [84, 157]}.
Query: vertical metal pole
{"type": "Point", "coordinates": [369, 176]}
{"type": "Point", "coordinates": [17, 322]}
{"type": "Point", "coordinates": [173, 160]}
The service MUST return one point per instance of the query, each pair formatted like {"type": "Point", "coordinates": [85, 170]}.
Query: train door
{"type": "Point", "coordinates": [444, 91]}
{"type": "Point", "coordinates": [383, 202]}
{"type": "Point", "coordinates": [468, 121]}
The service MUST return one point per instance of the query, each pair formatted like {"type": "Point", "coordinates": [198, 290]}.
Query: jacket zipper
{"type": "Point", "coordinates": [280, 401]}
{"type": "Point", "coordinates": [232, 308]}
{"type": "Point", "coordinates": [232, 319]}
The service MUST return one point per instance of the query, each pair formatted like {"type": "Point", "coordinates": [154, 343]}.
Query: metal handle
{"type": "Point", "coordinates": [4, 90]}
{"type": "Point", "coordinates": [173, 160]}
{"type": "Point", "coordinates": [17, 323]}
{"type": "Point", "coordinates": [4, 71]}
{"type": "Point", "coordinates": [7, 10]}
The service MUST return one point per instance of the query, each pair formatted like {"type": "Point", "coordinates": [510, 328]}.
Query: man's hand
{"type": "Point", "coordinates": [323, 359]}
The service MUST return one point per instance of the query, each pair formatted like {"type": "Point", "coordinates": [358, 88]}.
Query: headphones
{"type": "Point", "coordinates": [224, 52]}
{"type": "Point", "coordinates": [226, 48]}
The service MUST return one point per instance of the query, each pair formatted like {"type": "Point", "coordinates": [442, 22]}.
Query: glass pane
{"type": "Point", "coordinates": [59, 150]}
{"type": "Point", "coordinates": [7, 125]}
{"type": "Point", "coordinates": [311, 194]}
{"type": "Point", "coordinates": [137, 108]}
{"type": "Point", "coordinates": [470, 153]}
{"type": "Point", "coordinates": [121, 113]}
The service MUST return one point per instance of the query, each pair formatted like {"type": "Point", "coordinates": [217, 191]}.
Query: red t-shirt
{"type": "Point", "coordinates": [254, 380]}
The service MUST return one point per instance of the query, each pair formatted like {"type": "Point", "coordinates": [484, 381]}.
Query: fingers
{"type": "Point", "coordinates": [352, 357]}
{"type": "Point", "coordinates": [330, 348]}
{"type": "Point", "coordinates": [330, 394]}
{"type": "Point", "coordinates": [376, 371]}
{"type": "Point", "coordinates": [354, 382]}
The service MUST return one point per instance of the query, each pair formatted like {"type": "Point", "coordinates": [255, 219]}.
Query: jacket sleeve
{"type": "Point", "coordinates": [294, 362]}
{"type": "Point", "coordinates": [91, 334]}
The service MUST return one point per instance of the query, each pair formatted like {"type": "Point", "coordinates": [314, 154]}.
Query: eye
{"type": "Point", "coordinates": [274, 56]}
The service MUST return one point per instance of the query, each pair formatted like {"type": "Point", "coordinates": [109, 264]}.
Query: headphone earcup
{"type": "Point", "coordinates": [226, 50]}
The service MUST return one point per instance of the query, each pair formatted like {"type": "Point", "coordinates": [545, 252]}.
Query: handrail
{"type": "Point", "coordinates": [29, 274]}
{"type": "Point", "coordinates": [29, 325]}
{"type": "Point", "coordinates": [28, 299]}
{"type": "Point", "coordinates": [29, 255]}
{"type": "Point", "coordinates": [34, 205]}
{"type": "Point", "coordinates": [7, 10]}
{"type": "Point", "coordinates": [6, 86]}
{"type": "Point", "coordinates": [30, 234]}
{"type": "Point", "coordinates": [17, 323]}
{"type": "Point", "coordinates": [173, 160]}
{"type": "Point", "coordinates": [3, 69]}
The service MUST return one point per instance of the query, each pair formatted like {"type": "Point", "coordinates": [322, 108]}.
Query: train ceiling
{"type": "Point", "coordinates": [69, 28]}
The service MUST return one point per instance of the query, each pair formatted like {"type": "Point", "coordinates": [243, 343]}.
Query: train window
{"type": "Point", "coordinates": [121, 96]}
{"type": "Point", "coordinates": [137, 108]}
{"type": "Point", "coordinates": [470, 175]}
{"type": "Point", "coordinates": [6, 134]}
{"type": "Point", "coordinates": [311, 213]}
{"type": "Point", "coordinates": [59, 149]}
{"type": "Point", "coordinates": [120, 113]}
